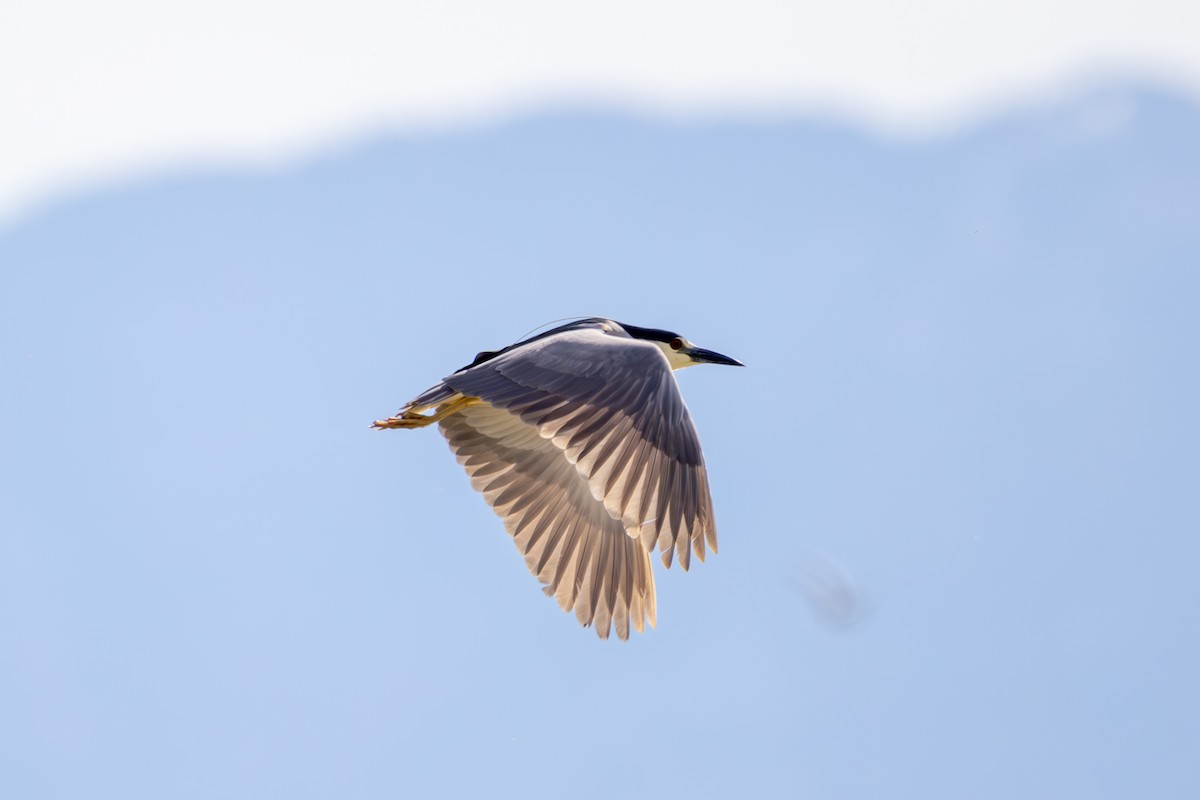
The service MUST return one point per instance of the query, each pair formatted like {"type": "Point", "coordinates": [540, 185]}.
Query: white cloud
{"type": "Point", "coordinates": [92, 90]}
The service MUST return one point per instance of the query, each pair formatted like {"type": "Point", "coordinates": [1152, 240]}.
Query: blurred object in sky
{"type": "Point", "coordinates": [832, 595]}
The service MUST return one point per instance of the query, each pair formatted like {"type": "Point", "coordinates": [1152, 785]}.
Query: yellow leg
{"type": "Point", "coordinates": [409, 418]}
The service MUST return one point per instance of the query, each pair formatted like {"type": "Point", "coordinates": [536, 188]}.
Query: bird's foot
{"type": "Point", "coordinates": [405, 419]}
{"type": "Point", "coordinates": [411, 418]}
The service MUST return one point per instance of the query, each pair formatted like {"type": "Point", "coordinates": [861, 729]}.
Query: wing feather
{"type": "Point", "coordinates": [607, 402]}
{"type": "Point", "coordinates": [571, 543]}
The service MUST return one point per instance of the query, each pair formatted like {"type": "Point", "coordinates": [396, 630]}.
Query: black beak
{"type": "Point", "coordinates": [702, 356]}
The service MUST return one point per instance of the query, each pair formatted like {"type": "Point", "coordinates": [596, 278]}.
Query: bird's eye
{"type": "Point", "coordinates": [676, 343]}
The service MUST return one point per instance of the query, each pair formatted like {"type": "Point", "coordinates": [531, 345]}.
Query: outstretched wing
{"type": "Point", "coordinates": [576, 549]}
{"type": "Point", "coordinates": [611, 406]}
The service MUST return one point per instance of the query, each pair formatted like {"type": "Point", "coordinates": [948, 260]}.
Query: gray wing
{"type": "Point", "coordinates": [612, 407]}
{"type": "Point", "coordinates": [570, 542]}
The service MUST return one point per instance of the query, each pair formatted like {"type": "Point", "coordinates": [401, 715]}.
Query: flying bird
{"type": "Point", "coordinates": [579, 440]}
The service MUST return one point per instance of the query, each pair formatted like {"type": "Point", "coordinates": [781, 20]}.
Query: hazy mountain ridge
{"type": "Point", "coordinates": [970, 382]}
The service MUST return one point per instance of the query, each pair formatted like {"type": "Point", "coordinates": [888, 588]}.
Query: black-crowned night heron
{"type": "Point", "coordinates": [579, 440]}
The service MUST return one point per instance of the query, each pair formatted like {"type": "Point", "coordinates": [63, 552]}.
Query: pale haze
{"type": "Point", "coordinates": [101, 91]}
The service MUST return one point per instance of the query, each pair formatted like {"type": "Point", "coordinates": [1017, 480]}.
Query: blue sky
{"type": "Point", "coordinates": [969, 388]}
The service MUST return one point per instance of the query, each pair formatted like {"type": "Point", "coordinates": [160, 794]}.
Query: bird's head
{"type": "Point", "coordinates": [679, 351]}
